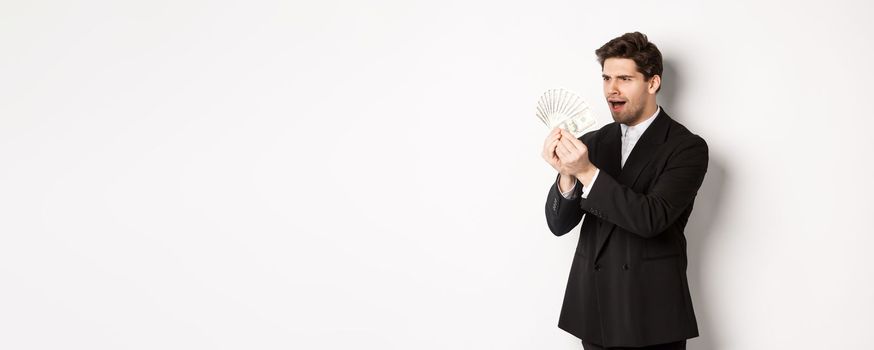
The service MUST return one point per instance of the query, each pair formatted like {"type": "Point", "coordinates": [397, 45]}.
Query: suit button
{"type": "Point", "coordinates": [597, 267]}
{"type": "Point", "coordinates": [625, 266]}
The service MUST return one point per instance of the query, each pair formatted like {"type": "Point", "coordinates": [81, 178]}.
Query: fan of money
{"type": "Point", "coordinates": [565, 109]}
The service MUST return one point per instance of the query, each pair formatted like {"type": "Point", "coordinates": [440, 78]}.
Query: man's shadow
{"type": "Point", "coordinates": [705, 213]}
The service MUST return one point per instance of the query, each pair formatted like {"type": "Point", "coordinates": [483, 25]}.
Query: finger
{"type": "Point", "coordinates": [549, 148]}
{"type": "Point", "coordinates": [554, 157]}
{"type": "Point", "coordinates": [569, 135]}
{"type": "Point", "coordinates": [581, 146]}
{"type": "Point", "coordinates": [569, 144]}
{"type": "Point", "coordinates": [566, 134]}
{"type": "Point", "coordinates": [574, 139]}
{"type": "Point", "coordinates": [551, 137]}
{"type": "Point", "coordinates": [554, 133]}
{"type": "Point", "coordinates": [562, 151]}
{"type": "Point", "coordinates": [563, 158]}
{"type": "Point", "coordinates": [554, 137]}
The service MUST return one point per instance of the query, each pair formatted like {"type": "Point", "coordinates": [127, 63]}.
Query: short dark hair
{"type": "Point", "coordinates": [634, 46]}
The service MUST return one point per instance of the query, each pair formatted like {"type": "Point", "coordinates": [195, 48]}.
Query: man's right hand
{"type": "Point", "coordinates": [549, 146]}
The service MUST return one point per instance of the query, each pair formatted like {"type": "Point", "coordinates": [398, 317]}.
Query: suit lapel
{"type": "Point", "coordinates": [610, 160]}
{"type": "Point", "coordinates": [645, 149]}
{"type": "Point", "coordinates": [609, 157]}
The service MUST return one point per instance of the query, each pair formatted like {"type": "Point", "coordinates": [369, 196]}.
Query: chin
{"type": "Point", "coordinates": [621, 119]}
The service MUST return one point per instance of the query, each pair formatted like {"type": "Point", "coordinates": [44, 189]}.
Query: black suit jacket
{"type": "Point", "coordinates": [627, 283]}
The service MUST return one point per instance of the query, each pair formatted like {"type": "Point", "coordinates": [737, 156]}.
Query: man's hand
{"type": "Point", "coordinates": [573, 158]}
{"type": "Point", "coordinates": [549, 145]}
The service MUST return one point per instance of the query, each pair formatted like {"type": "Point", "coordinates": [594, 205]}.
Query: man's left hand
{"type": "Point", "coordinates": [574, 157]}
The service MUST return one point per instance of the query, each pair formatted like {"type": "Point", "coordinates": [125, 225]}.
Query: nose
{"type": "Point", "coordinates": [610, 87]}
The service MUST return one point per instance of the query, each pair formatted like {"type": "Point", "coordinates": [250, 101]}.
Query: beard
{"type": "Point", "coordinates": [630, 114]}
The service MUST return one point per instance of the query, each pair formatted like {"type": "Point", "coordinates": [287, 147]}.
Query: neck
{"type": "Point", "coordinates": [647, 111]}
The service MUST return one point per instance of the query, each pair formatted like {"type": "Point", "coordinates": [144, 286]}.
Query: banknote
{"type": "Point", "coordinates": [565, 109]}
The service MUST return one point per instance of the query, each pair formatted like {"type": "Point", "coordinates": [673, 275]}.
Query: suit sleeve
{"type": "Point", "coordinates": [648, 214]}
{"type": "Point", "coordinates": [563, 214]}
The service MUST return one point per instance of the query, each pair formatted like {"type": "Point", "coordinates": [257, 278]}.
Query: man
{"type": "Point", "coordinates": [633, 183]}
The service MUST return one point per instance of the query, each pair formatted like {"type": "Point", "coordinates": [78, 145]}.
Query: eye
{"type": "Point", "coordinates": [605, 78]}
{"type": "Point", "coordinates": [626, 78]}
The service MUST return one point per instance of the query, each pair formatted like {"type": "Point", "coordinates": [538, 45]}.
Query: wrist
{"type": "Point", "coordinates": [585, 177]}
{"type": "Point", "coordinates": [565, 182]}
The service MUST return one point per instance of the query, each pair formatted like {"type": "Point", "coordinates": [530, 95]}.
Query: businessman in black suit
{"type": "Point", "coordinates": [633, 183]}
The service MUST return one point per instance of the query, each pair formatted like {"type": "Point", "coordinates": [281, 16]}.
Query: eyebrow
{"type": "Point", "coordinates": [618, 76]}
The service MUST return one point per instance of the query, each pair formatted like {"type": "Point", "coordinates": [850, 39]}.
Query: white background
{"type": "Point", "coordinates": [367, 175]}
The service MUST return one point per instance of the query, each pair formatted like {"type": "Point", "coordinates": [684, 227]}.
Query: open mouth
{"type": "Point", "coordinates": [616, 105]}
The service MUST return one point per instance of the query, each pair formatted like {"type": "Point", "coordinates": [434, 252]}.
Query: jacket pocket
{"type": "Point", "coordinates": [661, 246]}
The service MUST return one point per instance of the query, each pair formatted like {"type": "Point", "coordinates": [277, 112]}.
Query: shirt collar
{"type": "Point", "coordinates": [640, 128]}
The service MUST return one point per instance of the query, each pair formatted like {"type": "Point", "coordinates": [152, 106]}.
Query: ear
{"type": "Point", "coordinates": [654, 84]}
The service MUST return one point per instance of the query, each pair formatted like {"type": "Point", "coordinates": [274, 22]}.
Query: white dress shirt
{"type": "Point", "coordinates": [630, 136]}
